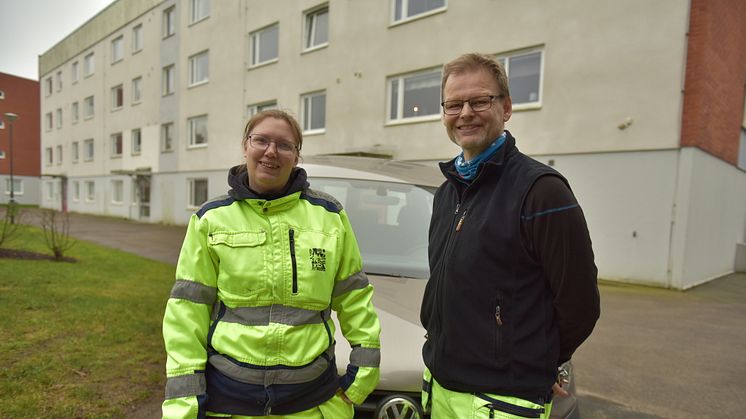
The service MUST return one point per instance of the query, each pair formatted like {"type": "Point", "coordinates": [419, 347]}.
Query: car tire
{"type": "Point", "coordinates": [398, 406]}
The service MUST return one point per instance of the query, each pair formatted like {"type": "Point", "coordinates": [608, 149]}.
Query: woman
{"type": "Point", "coordinates": [247, 327]}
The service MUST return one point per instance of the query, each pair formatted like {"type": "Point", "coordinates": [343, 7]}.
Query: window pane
{"type": "Point", "coordinates": [421, 95]}
{"type": "Point", "coordinates": [318, 114]}
{"type": "Point", "coordinates": [199, 68]}
{"type": "Point", "coordinates": [266, 42]}
{"type": "Point", "coordinates": [416, 7]}
{"type": "Point", "coordinates": [524, 78]}
{"type": "Point", "coordinates": [317, 31]}
{"type": "Point", "coordinates": [198, 130]}
{"type": "Point", "coordinates": [198, 192]}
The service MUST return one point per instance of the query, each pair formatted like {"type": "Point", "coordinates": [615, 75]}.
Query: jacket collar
{"type": "Point", "coordinates": [508, 149]}
{"type": "Point", "coordinates": [238, 180]}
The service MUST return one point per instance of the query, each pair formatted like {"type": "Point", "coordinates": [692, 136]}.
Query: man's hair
{"type": "Point", "coordinates": [473, 62]}
{"type": "Point", "coordinates": [277, 114]}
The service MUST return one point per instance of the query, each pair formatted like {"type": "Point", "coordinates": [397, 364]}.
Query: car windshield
{"type": "Point", "coordinates": [390, 221]}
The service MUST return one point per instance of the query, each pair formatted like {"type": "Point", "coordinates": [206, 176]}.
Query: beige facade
{"type": "Point", "coordinates": [600, 81]}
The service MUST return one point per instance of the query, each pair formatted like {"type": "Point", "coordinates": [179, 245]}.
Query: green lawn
{"type": "Point", "coordinates": [80, 339]}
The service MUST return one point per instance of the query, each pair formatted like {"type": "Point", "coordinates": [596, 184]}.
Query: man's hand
{"type": "Point", "coordinates": [557, 390]}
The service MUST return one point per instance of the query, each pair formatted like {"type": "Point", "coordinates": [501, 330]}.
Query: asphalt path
{"type": "Point", "coordinates": [655, 353]}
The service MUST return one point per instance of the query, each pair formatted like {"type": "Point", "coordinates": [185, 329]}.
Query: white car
{"type": "Point", "coordinates": [389, 203]}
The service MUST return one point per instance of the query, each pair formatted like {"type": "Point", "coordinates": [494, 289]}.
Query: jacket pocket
{"type": "Point", "coordinates": [313, 263]}
{"type": "Point", "coordinates": [499, 331]}
{"type": "Point", "coordinates": [242, 259]}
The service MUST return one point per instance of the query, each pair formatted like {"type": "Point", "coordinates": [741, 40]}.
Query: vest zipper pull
{"type": "Point", "coordinates": [460, 221]}
{"type": "Point", "coordinates": [498, 319]}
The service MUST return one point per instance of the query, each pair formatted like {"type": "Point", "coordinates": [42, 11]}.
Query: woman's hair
{"type": "Point", "coordinates": [473, 62]}
{"type": "Point", "coordinates": [277, 114]}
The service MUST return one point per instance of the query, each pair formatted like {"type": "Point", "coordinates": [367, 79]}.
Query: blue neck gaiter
{"type": "Point", "coordinates": [468, 169]}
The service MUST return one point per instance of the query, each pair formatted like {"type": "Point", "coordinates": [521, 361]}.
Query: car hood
{"type": "Point", "coordinates": [397, 302]}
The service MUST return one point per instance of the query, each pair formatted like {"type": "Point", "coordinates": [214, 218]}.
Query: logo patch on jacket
{"type": "Point", "coordinates": [318, 259]}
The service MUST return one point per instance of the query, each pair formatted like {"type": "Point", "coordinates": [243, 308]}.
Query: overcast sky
{"type": "Point", "coordinates": [29, 28]}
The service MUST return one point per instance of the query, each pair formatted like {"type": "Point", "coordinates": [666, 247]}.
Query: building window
{"type": "Point", "coordinates": [117, 97]}
{"type": "Point", "coordinates": [58, 116]}
{"type": "Point", "coordinates": [168, 79]}
{"type": "Point", "coordinates": [59, 81]}
{"type": "Point", "coordinates": [265, 45]}
{"type": "Point", "coordinates": [50, 190]}
{"type": "Point", "coordinates": [409, 9]}
{"type": "Point", "coordinates": [59, 154]}
{"type": "Point", "coordinates": [117, 191]}
{"type": "Point", "coordinates": [88, 151]}
{"type": "Point", "coordinates": [136, 141]}
{"type": "Point", "coordinates": [197, 192]}
{"type": "Point", "coordinates": [90, 191]}
{"type": "Point", "coordinates": [2, 152]}
{"type": "Point", "coordinates": [169, 21]}
{"type": "Point", "coordinates": [136, 90]}
{"type": "Point", "coordinates": [74, 72]}
{"type": "Point", "coordinates": [117, 49]}
{"type": "Point", "coordinates": [524, 77]}
{"type": "Point", "coordinates": [17, 186]}
{"type": "Point", "coordinates": [2, 94]}
{"type": "Point", "coordinates": [197, 130]}
{"type": "Point", "coordinates": [48, 156]}
{"type": "Point", "coordinates": [116, 144]}
{"type": "Point", "coordinates": [76, 190]}
{"type": "Point", "coordinates": [137, 40]}
{"type": "Point", "coordinates": [48, 121]}
{"type": "Point", "coordinates": [199, 68]}
{"type": "Point", "coordinates": [200, 9]}
{"type": "Point", "coordinates": [167, 137]}
{"type": "Point", "coordinates": [317, 28]}
{"type": "Point", "coordinates": [88, 107]}
{"type": "Point", "coordinates": [258, 107]}
{"type": "Point", "coordinates": [48, 86]}
{"type": "Point", "coordinates": [313, 112]}
{"type": "Point", "coordinates": [89, 65]}
{"type": "Point", "coordinates": [75, 151]}
{"type": "Point", "coordinates": [74, 112]}
{"type": "Point", "coordinates": [414, 96]}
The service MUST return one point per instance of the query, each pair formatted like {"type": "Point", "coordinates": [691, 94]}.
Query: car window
{"type": "Point", "coordinates": [390, 221]}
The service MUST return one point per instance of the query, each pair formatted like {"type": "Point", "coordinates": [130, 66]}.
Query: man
{"type": "Point", "coordinates": [513, 288]}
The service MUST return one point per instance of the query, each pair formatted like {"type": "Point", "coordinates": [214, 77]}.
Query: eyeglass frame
{"type": "Point", "coordinates": [493, 98]}
{"type": "Point", "coordinates": [271, 141]}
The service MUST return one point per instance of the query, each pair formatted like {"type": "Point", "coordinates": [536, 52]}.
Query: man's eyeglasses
{"type": "Point", "coordinates": [260, 142]}
{"type": "Point", "coordinates": [477, 104]}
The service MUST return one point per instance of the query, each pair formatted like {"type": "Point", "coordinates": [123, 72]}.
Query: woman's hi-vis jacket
{"type": "Point", "coordinates": [249, 313]}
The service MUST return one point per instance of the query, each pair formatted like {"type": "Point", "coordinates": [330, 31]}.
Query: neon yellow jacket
{"type": "Point", "coordinates": [249, 313]}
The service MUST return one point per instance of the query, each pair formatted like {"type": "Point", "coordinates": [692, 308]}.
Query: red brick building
{"type": "Point", "coordinates": [20, 96]}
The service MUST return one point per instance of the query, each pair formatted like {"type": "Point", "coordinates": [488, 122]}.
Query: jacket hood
{"type": "Point", "coordinates": [238, 180]}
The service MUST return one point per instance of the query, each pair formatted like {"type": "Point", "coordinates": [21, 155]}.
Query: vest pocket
{"type": "Point", "coordinates": [499, 332]}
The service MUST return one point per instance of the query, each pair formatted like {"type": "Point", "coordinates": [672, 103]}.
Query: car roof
{"type": "Point", "coordinates": [371, 168]}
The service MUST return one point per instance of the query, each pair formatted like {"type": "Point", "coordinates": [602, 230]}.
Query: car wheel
{"type": "Point", "coordinates": [398, 407]}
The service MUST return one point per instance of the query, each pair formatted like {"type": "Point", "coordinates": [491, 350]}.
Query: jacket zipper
{"type": "Point", "coordinates": [291, 235]}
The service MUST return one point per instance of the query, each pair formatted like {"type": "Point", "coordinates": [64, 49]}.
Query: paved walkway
{"type": "Point", "coordinates": [655, 353]}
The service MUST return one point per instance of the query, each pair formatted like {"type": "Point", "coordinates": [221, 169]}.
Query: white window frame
{"type": "Point", "coordinates": [89, 65]}
{"type": "Point", "coordinates": [137, 90]}
{"type": "Point", "coordinates": [2, 94]}
{"type": "Point", "coordinates": [58, 150]}
{"type": "Point", "coordinates": [48, 85]}
{"type": "Point", "coordinates": [89, 150]}
{"type": "Point", "coordinates": [193, 125]}
{"type": "Point", "coordinates": [506, 59]}
{"type": "Point", "coordinates": [74, 112]}
{"type": "Point", "coordinates": [169, 22]}
{"type": "Point", "coordinates": [90, 191]}
{"type": "Point", "coordinates": [199, 68]}
{"type": "Point", "coordinates": [167, 137]}
{"type": "Point", "coordinates": [311, 19]}
{"type": "Point", "coordinates": [117, 97]}
{"type": "Point", "coordinates": [59, 80]}
{"type": "Point", "coordinates": [49, 186]}
{"type": "Point", "coordinates": [58, 117]}
{"type": "Point", "coordinates": [136, 142]}
{"type": "Point", "coordinates": [255, 50]}
{"type": "Point", "coordinates": [74, 72]}
{"type": "Point", "coordinates": [193, 198]}
{"type": "Point", "coordinates": [395, 94]}
{"type": "Point", "coordinates": [75, 152]}
{"type": "Point", "coordinates": [117, 49]}
{"type": "Point", "coordinates": [400, 13]}
{"type": "Point", "coordinates": [137, 38]}
{"type": "Point", "coordinates": [255, 108]}
{"type": "Point", "coordinates": [307, 112]}
{"type": "Point", "coordinates": [198, 10]}
{"type": "Point", "coordinates": [76, 190]}
{"type": "Point", "coordinates": [17, 186]}
{"type": "Point", "coordinates": [89, 107]}
{"type": "Point", "coordinates": [168, 80]}
{"type": "Point", "coordinates": [117, 191]}
{"type": "Point", "coordinates": [48, 121]}
{"type": "Point", "coordinates": [117, 145]}
{"type": "Point", "coordinates": [48, 156]}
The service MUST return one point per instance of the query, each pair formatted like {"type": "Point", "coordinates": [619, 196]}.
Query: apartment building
{"type": "Point", "coordinates": [640, 104]}
{"type": "Point", "coordinates": [19, 96]}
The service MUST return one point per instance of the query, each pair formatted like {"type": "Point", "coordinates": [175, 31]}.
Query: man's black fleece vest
{"type": "Point", "coordinates": [488, 306]}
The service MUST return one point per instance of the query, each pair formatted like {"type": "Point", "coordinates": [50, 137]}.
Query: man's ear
{"type": "Point", "coordinates": [507, 108]}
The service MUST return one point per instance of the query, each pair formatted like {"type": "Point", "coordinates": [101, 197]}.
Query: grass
{"type": "Point", "coordinates": [80, 339]}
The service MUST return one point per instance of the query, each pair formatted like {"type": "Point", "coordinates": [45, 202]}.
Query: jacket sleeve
{"type": "Point", "coordinates": [556, 232]}
{"type": "Point", "coordinates": [352, 299]}
{"type": "Point", "coordinates": [186, 323]}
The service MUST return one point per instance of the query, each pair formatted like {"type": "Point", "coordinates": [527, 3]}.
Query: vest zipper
{"type": "Point", "coordinates": [291, 236]}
